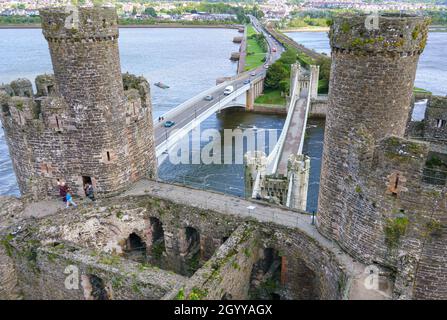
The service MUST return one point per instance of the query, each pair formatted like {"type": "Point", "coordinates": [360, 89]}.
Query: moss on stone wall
{"type": "Point", "coordinates": [394, 229]}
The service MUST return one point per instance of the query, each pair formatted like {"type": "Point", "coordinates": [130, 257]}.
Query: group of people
{"type": "Point", "coordinates": [66, 194]}
{"type": "Point", "coordinates": [161, 119]}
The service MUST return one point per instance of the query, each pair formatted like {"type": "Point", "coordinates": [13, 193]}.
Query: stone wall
{"type": "Point", "coordinates": [223, 261]}
{"type": "Point", "coordinates": [318, 108]}
{"type": "Point", "coordinates": [435, 121]}
{"type": "Point", "coordinates": [227, 274]}
{"type": "Point", "coordinates": [65, 271]}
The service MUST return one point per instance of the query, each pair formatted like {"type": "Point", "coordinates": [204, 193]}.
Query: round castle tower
{"type": "Point", "coordinates": [371, 86]}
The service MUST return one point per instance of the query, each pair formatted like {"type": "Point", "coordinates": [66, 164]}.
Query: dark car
{"type": "Point", "coordinates": [169, 123]}
{"type": "Point", "coordinates": [247, 81]}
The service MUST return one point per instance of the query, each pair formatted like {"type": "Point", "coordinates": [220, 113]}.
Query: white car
{"type": "Point", "coordinates": [228, 90]}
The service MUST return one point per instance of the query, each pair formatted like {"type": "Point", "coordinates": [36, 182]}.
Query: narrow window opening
{"type": "Point", "coordinates": [57, 122]}
{"type": "Point", "coordinates": [108, 156]}
{"type": "Point", "coordinates": [5, 110]}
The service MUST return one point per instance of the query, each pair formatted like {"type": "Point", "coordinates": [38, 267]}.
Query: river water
{"type": "Point", "coordinates": [189, 61]}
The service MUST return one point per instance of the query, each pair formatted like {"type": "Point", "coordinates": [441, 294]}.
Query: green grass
{"type": "Point", "coordinates": [323, 86]}
{"type": "Point", "coordinates": [255, 54]}
{"type": "Point", "coordinates": [420, 90]}
{"type": "Point", "coordinates": [271, 97]}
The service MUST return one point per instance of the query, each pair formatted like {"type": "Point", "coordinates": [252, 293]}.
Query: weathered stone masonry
{"type": "Point", "coordinates": [86, 122]}
{"type": "Point", "coordinates": [234, 255]}
{"type": "Point", "coordinates": [373, 198]}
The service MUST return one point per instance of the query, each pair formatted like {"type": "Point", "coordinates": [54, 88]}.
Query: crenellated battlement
{"type": "Point", "coordinates": [79, 24]}
{"type": "Point", "coordinates": [396, 34]}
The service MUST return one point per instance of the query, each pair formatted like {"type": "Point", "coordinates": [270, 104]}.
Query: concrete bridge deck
{"type": "Point", "coordinates": [295, 133]}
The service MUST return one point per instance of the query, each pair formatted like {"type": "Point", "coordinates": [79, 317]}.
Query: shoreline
{"type": "Point", "coordinates": [326, 29]}
{"type": "Point", "coordinates": [137, 26]}
{"type": "Point", "coordinates": [306, 29]}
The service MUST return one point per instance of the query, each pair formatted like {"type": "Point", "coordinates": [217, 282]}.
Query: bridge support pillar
{"type": "Point", "coordinates": [250, 100]}
{"type": "Point", "coordinates": [255, 163]}
{"type": "Point", "coordinates": [315, 73]}
{"type": "Point", "coordinates": [298, 175]}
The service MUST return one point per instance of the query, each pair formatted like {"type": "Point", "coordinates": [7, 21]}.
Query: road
{"type": "Point", "coordinates": [272, 42]}
{"type": "Point", "coordinates": [162, 133]}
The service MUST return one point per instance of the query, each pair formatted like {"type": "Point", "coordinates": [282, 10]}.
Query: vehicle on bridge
{"type": "Point", "coordinates": [169, 124]}
{"type": "Point", "coordinates": [208, 98]}
{"type": "Point", "coordinates": [228, 90]}
{"type": "Point", "coordinates": [253, 74]}
{"type": "Point", "coordinates": [247, 81]}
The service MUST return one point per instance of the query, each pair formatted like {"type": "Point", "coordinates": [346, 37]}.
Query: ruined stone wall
{"type": "Point", "coordinates": [435, 120]}
{"type": "Point", "coordinates": [227, 274]}
{"type": "Point", "coordinates": [63, 271]}
{"type": "Point", "coordinates": [373, 200]}
{"type": "Point", "coordinates": [88, 125]}
{"type": "Point", "coordinates": [228, 251]}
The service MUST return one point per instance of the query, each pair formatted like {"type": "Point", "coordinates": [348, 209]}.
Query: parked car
{"type": "Point", "coordinates": [169, 123]}
{"type": "Point", "coordinates": [266, 66]}
{"type": "Point", "coordinates": [247, 81]}
{"type": "Point", "coordinates": [228, 90]}
{"type": "Point", "coordinates": [208, 98]}
{"type": "Point", "coordinates": [253, 74]}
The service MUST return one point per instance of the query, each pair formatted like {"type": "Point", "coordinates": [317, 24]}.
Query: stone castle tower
{"type": "Point", "coordinates": [373, 198]}
{"type": "Point", "coordinates": [88, 122]}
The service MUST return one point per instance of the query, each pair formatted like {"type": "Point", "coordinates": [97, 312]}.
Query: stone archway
{"type": "Point", "coordinates": [94, 288]}
{"type": "Point", "coordinates": [265, 279]}
{"type": "Point", "coordinates": [156, 239]}
{"type": "Point", "coordinates": [190, 249]}
{"type": "Point", "coordinates": [135, 248]}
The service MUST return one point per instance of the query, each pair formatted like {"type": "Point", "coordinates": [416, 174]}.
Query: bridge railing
{"type": "Point", "coordinates": [274, 156]}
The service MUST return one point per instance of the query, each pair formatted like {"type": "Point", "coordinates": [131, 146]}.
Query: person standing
{"type": "Point", "coordinates": [89, 191]}
{"type": "Point", "coordinates": [63, 189]}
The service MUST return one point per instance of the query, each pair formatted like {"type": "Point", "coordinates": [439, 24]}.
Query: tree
{"type": "Point", "coordinates": [275, 74]}
{"type": "Point", "coordinates": [325, 67]}
{"type": "Point", "coordinates": [288, 57]}
{"type": "Point", "coordinates": [150, 12]}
